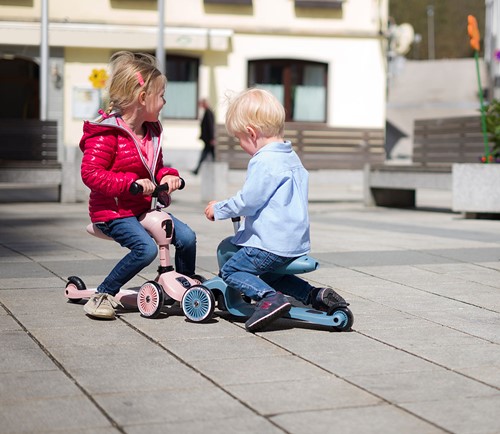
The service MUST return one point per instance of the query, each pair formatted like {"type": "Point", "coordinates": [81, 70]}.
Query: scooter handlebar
{"type": "Point", "coordinates": [136, 188]}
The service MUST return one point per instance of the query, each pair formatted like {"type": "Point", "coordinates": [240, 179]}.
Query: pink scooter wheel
{"type": "Point", "coordinates": [150, 299]}
{"type": "Point", "coordinates": [74, 282]}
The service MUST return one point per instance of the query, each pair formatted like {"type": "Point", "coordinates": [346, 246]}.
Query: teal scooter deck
{"type": "Point", "coordinates": [340, 319]}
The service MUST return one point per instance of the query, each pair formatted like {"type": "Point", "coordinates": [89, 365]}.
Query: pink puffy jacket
{"type": "Point", "coordinates": [112, 160]}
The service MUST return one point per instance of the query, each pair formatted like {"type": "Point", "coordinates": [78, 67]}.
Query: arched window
{"type": "Point", "coordinates": [299, 85]}
{"type": "Point", "coordinates": [182, 87]}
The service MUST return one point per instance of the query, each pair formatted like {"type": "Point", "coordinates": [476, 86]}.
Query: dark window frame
{"type": "Point", "coordinates": [320, 4]}
{"type": "Point", "coordinates": [228, 2]}
{"type": "Point", "coordinates": [291, 76]}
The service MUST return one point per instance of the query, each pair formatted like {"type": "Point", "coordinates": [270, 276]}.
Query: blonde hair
{"type": "Point", "coordinates": [131, 74]}
{"type": "Point", "coordinates": [257, 108]}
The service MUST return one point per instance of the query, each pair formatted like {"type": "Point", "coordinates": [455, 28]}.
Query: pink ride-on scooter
{"type": "Point", "coordinates": [197, 302]}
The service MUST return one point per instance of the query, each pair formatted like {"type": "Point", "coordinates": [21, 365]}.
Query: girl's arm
{"type": "Point", "coordinates": [98, 157]}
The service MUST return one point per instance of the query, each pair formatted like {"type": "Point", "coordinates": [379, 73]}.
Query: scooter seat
{"type": "Point", "coordinates": [302, 264]}
{"type": "Point", "coordinates": [92, 229]}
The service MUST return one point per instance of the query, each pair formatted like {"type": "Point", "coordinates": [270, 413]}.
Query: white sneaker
{"type": "Point", "coordinates": [102, 305]}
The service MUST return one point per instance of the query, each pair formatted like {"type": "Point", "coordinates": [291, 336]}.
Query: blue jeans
{"type": "Point", "coordinates": [243, 269]}
{"type": "Point", "coordinates": [129, 233]}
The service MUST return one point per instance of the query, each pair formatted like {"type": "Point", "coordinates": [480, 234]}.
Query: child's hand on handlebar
{"type": "Point", "coordinates": [174, 182]}
{"type": "Point", "coordinates": [147, 186]}
{"type": "Point", "coordinates": [209, 210]}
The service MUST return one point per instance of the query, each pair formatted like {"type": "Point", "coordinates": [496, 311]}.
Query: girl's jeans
{"type": "Point", "coordinates": [129, 233]}
{"type": "Point", "coordinates": [243, 269]}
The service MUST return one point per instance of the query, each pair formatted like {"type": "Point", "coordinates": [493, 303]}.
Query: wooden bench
{"type": "Point", "coordinates": [318, 146]}
{"type": "Point", "coordinates": [28, 154]}
{"type": "Point", "coordinates": [438, 143]}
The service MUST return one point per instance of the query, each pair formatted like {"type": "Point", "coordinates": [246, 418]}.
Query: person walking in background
{"type": "Point", "coordinates": [207, 135]}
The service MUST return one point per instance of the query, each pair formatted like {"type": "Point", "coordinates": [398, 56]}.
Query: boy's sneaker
{"type": "Point", "coordinates": [267, 310]}
{"type": "Point", "coordinates": [326, 299]}
{"type": "Point", "coordinates": [101, 305]}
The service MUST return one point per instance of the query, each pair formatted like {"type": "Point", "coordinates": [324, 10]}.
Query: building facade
{"type": "Point", "coordinates": [324, 59]}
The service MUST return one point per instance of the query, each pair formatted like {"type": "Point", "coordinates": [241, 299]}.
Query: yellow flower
{"type": "Point", "coordinates": [98, 78]}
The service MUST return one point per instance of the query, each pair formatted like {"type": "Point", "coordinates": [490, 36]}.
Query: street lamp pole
{"type": "Point", "coordinates": [430, 32]}
{"type": "Point", "coordinates": [160, 48]}
{"type": "Point", "coordinates": [44, 60]}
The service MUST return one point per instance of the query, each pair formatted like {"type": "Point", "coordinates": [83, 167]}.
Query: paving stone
{"type": "Point", "coordinates": [367, 420]}
{"type": "Point", "coordinates": [460, 414]}
{"type": "Point", "coordinates": [301, 395]}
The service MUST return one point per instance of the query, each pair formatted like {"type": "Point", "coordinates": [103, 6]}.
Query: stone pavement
{"type": "Point", "coordinates": [423, 356]}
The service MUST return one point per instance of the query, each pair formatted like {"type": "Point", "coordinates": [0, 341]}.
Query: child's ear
{"type": "Point", "coordinates": [142, 98]}
{"type": "Point", "coordinates": [252, 133]}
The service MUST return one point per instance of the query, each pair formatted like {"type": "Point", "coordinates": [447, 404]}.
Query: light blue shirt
{"type": "Point", "coordinates": [274, 202]}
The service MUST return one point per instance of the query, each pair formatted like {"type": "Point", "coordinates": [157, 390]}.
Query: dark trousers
{"type": "Point", "coordinates": [207, 150]}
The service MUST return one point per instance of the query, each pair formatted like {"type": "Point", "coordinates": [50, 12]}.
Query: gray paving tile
{"type": "Point", "coordinates": [259, 370]}
{"type": "Point", "coordinates": [21, 359]}
{"type": "Point", "coordinates": [40, 416]}
{"type": "Point", "coordinates": [477, 354]}
{"type": "Point", "coordinates": [223, 348]}
{"type": "Point", "coordinates": [172, 406]}
{"type": "Point", "coordinates": [242, 425]}
{"type": "Point", "coordinates": [382, 418]}
{"type": "Point", "coordinates": [301, 395]}
{"type": "Point", "coordinates": [154, 373]}
{"type": "Point", "coordinates": [366, 362]}
{"type": "Point", "coordinates": [425, 334]}
{"type": "Point", "coordinates": [460, 414]}
{"type": "Point", "coordinates": [33, 385]}
{"type": "Point", "coordinates": [486, 374]}
{"type": "Point", "coordinates": [405, 387]}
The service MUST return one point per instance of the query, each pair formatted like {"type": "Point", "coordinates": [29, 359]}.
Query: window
{"type": "Point", "coordinates": [182, 88]}
{"type": "Point", "coordinates": [323, 4]}
{"type": "Point", "coordinates": [229, 2]}
{"type": "Point", "coordinates": [299, 85]}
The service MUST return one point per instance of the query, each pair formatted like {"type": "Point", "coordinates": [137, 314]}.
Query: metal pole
{"type": "Point", "coordinates": [487, 151]}
{"type": "Point", "coordinates": [160, 48]}
{"type": "Point", "coordinates": [430, 32]}
{"type": "Point", "coordinates": [44, 60]}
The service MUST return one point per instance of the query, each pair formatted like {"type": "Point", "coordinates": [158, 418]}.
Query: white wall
{"type": "Point", "coordinates": [348, 40]}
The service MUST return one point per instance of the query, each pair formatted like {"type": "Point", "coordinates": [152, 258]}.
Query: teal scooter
{"type": "Point", "coordinates": [339, 317]}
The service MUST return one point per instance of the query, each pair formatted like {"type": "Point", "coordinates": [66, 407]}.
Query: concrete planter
{"type": "Point", "coordinates": [476, 188]}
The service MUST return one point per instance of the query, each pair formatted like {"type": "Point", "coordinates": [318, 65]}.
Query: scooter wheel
{"type": "Point", "coordinates": [343, 319]}
{"type": "Point", "coordinates": [150, 299]}
{"type": "Point", "coordinates": [78, 284]}
{"type": "Point", "coordinates": [199, 278]}
{"type": "Point", "coordinates": [198, 304]}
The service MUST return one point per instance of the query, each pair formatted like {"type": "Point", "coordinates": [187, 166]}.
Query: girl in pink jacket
{"type": "Point", "coordinates": [124, 146]}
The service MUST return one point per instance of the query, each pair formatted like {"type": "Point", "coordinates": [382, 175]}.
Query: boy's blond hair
{"type": "Point", "coordinates": [258, 109]}
{"type": "Point", "coordinates": [131, 74]}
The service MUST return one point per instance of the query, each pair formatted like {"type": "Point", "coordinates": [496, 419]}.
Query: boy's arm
{"type": "Point", "coordinates": [254, 195]}
{"type": "Point", "coordinates": [209, 210]}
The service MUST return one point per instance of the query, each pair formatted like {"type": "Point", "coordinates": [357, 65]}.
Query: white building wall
{"type": "Point", "coordinates": [225, 38]}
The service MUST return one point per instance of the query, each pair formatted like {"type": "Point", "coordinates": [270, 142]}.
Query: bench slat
{"type": "Point", "coordinates": [438, 144]}
{"type": "Point", "coordinates": [318, 146]}
{"type": "Point", "coordinates": [28, 140]}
